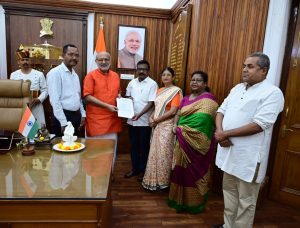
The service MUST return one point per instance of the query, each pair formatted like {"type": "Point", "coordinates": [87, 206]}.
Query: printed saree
{"type": "Point", "coordinates": [194, 151]}
{"type": "Point", "coordinates": [158, 170]}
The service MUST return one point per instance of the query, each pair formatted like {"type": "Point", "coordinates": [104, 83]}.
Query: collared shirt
{"type": "Point", "coordinates": [141, 92]}
{"type": "Point", "coordinates": [38, 83]}
{"type": "Point", "coordinates": [64, 92]}
{"type": "Point", "coordinates": [260, 104]}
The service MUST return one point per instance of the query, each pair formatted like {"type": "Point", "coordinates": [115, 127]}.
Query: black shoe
{"type": "Point", "coordinates": [131, 173]}
{"type": "Point", "coordinates": [217, 226]}
{"type": "Point", "coordinates": [140, 177]}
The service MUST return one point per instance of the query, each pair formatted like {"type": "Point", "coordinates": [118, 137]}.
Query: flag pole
{"type": "Point", "coordinates": [101, 22]}
{"type": "Point", "coordinates": [99, 46]}
{"type": "Point", "coordinates": [28, 150]}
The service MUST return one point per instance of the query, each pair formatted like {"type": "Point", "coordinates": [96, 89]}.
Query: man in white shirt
{"type": "Point", "coordinates": [65, 93]}
{"type": "Point", "coordinates": [244, 127]}
{"type": "Point", "coordinates": [143, 92]}
{"type": "Point", "coordinates": [38, 84]}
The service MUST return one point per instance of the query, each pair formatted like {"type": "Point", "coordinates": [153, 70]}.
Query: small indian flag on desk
{"type": "Point", "coordinates": [28, 126]}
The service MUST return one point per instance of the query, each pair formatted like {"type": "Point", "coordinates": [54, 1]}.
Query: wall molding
{"type": "Point", "coordinates": [35, 10]}
{"type": "Point", "coordinates": [177, 8]}
{"type": "Point", "coordinates": [95, 7]}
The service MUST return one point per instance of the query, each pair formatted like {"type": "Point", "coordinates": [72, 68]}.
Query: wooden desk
{"type": "Point", "coordinates": [52, 189]}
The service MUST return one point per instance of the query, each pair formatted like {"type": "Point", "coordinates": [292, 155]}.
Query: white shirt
{"type": "Point", "coordinates": [260, 104]}
{"type": "Point", "coordinates": [64, 92]}
{"type": "Point", "coordinates": [141, 92]}
{"type": "Point", "coordinates": [38, 83]}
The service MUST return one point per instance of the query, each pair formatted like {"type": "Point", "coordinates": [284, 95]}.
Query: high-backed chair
{"type": "Point", "coordinates": [14, 97]}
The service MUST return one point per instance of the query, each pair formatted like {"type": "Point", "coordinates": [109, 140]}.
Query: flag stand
{"type": "Point", "coordinates": [28, 149]}
{"type": "Point", "coordinates": [28, 127]}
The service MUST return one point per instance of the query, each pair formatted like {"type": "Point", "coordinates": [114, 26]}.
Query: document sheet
{"type": "Point", "coordinates": [125, 107]}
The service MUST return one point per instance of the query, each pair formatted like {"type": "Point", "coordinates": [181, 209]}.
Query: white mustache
{"type": "Point", "coordinates": [104, 65]}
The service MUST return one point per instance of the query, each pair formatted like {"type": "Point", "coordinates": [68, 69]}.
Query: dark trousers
{"type": "Point", "coordinates": [140, 145]}
{"type": "Point", "coordinates": [73, 116]}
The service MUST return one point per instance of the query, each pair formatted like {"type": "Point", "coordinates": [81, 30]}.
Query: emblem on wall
{"type": "Point", "coordinates": [46, 24]}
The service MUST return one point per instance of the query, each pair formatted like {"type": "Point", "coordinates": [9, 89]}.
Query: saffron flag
{"type": "Point", "coordinates": [28, 126]}
{"type": "Point", "coordinates": [100, 46]}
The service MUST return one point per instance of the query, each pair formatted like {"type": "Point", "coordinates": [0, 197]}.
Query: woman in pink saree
{"type": "Point", "coordinates": [158, 170]}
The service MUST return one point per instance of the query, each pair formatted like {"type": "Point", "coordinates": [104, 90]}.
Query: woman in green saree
{"type": "Point", "coordinates": [194, 150]}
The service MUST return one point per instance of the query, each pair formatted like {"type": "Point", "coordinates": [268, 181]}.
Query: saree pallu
{"type": "Point", "coordinates": [194, 152]}
{"type": "Point", "coordinates": [158, 170]}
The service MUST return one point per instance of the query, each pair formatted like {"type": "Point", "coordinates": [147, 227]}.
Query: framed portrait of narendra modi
{"type": "Point", "coordinates": [131, 46]}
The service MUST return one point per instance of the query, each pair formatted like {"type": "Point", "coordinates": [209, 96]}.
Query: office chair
{"type": "Point", "coordinates": [14, 97]}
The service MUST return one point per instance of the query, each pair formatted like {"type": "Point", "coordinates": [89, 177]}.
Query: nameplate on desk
{"type": "Point", "coordinates": [127, 76]}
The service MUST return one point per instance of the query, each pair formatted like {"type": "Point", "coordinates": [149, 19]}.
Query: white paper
{"type": "Point", "coordinates": [125, 107]}
{"type": "Point", "coordinates": [127, 76]}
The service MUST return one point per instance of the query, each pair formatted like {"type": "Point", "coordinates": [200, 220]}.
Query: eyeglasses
{"type": "Point", "coordinates": [197, 80]}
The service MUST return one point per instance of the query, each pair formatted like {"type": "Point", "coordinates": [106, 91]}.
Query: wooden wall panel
{"type": "Point", "coordinates": [23, 27]}
{"type": "Point", "coordinates": [157, 40]}
{"type": "Point", "coordinates": [223, 33]}
{"type": "Point", "coordinates": [26, 30]}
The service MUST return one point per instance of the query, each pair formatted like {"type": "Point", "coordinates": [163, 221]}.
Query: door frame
{"type": "Point", "coordinates": [283, 84]}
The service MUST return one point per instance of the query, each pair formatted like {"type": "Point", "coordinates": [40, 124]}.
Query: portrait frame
{"type": "Point", "coordinates": [129, 50]}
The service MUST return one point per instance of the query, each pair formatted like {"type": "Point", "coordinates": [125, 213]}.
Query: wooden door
{"type": "Point", "coordinates": [285, 186]}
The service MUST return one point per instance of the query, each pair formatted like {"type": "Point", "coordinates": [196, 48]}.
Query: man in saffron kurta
{"type": "Point", "coordinates": [101, 88]}
{"type": "Point", "coordinates": [104, 87]}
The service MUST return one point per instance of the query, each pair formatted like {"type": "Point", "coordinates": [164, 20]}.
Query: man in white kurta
{"type": "Point", "coordinates": [244, 127]}
{"type": "Point", "coordinates": [38, 84]}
